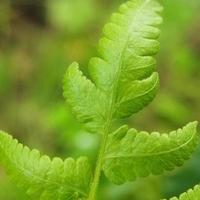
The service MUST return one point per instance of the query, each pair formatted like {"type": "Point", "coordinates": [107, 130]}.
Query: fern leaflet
{"type": "Point", "coordinates": [41, 177]}
{"type": "Point", "coordinates": [123, 80]}
{"type": "Point", "coordinates": [130, 154]}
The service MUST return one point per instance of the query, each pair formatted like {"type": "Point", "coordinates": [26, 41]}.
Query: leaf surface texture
{"type": "Point", "coordinates": [44, 178]}
{"type": "Point", "coordinates": [123, 78]}
{"type": "Point", "coordinates": [130, 153]}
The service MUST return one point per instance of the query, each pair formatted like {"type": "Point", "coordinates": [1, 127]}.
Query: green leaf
{"type": "Point", "coordinates": [126, 57]}
{"type": "Point", "coordinates": [130, 154]}
{"type": "Point", "coordinates": [123, 78]}
{"type": "Point", "coordinates": [191, 194]}
{"type": "Point", "coordinates": [44, 178]}
{"type": "Point", "coordinates": [86, 100]}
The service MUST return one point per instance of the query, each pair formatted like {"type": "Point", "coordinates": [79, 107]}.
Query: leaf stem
{"type": "Point", "coordinates": [97, 174]}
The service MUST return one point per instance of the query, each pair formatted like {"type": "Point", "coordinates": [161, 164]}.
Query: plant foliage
{"type": "Point", "coordinates": [42, 177]}
{"type": "Point", "coordinates": [121, 82]}
{"type": "Point", "coordinates": [130, 154]}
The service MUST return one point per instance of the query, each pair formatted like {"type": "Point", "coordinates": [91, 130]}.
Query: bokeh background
{"type": "Point", "coordinates": [40, 38]}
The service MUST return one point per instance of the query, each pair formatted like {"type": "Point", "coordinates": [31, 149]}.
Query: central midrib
{"type": "Point", "coordinates": [152, 154]}
{"type": "Point", "coordinates": [120, 63]}
{"type": "Point", "coordinates": [112, 102]}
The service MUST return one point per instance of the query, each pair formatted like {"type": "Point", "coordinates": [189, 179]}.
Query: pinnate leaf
{"type": "Point", "coordinates": [41, 177]}
{"type": "Point", "coordinates": [130, 154]}
{"type": "Point", "coordinates": [122, 79]}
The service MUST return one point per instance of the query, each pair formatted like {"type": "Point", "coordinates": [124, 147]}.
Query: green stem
{"type": "Point", "coordinates": [97, 174]}
{"type": "Point", "coordinates": [98, 169]}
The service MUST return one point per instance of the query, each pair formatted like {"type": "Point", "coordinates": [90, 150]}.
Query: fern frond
{"type": "Point", "coordinates": [123, 80]}
{"type": "Point", "coordinates": [130, 154]}
{"type": "Point", "coordinates": [44, 178]}
{"type": "Point", "coordinates": [126, 57]}
{"type": "Point", "coordinates": [191, 194]}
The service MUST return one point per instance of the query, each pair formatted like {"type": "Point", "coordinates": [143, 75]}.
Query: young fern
{"type": "Point", "coordinates": [122, 82]}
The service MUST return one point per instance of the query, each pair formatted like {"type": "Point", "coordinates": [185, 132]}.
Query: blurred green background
{"type": "Point", "coordinates": [40, 38]}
